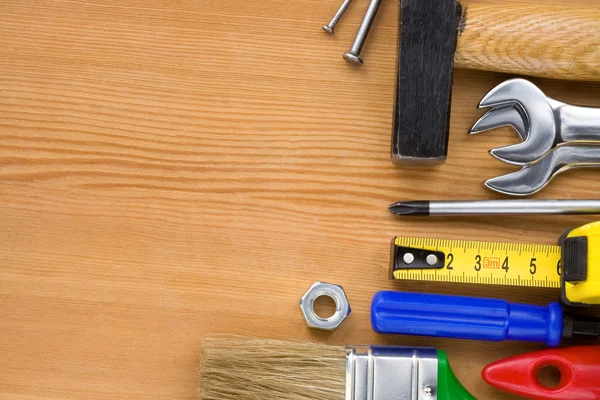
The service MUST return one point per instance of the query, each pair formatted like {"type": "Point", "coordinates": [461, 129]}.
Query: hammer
{"type": "Point", "coordinates": [549, 41]}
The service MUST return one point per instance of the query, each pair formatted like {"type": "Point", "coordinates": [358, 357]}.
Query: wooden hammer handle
{"type": "Point", "coordinates": [548, 41]}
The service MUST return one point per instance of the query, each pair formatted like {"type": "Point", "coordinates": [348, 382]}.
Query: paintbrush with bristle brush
{"type": "Point", "coordinates": [262, 369]}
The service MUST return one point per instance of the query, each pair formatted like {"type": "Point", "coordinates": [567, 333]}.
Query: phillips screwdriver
{"type": "Point", "coordinates": [495, 207]}
{"type": "Point", "coordinates": [463, 317]}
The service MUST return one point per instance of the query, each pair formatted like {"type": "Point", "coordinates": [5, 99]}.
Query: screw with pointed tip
{"type": "Point", "coordinates": [353, 56]}
{"type": "Point", "coordinates": [329, 28]}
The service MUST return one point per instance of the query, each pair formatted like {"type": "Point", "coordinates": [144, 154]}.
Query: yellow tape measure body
{"type": "Point", "coordinates": [482, 262]}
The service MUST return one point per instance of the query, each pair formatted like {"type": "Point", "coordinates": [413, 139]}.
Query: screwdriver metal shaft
{"type": "Point", "coordinates": [495, 207]}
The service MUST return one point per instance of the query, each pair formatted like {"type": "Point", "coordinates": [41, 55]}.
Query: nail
{"type": "Point", "coordinates": [329, 28]}
{"type": "Point", "coordinates": [353, 56]}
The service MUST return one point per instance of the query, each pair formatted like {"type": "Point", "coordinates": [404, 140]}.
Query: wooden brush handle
{"type": "Point", "coordinates": [548, 41]}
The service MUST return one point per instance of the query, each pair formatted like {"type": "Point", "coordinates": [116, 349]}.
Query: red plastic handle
{"type": "Point", "coordinates": [579, 369]}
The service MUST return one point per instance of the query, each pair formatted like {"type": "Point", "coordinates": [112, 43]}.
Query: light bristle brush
{"type": "Point", "coordinates": [261, 369]}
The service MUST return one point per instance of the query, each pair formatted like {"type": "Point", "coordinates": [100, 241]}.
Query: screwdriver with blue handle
{"type": "Point", "coordinates": [463, 317]}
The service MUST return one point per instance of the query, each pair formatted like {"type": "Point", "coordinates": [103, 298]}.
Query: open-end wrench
{"type": "Point", "coordinates": [541, 121]}
{"type": "Point", "coordinates": [534, 177]}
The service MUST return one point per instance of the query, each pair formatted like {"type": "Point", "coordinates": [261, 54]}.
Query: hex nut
{"type": "Point", "coordinates": [342, 306]}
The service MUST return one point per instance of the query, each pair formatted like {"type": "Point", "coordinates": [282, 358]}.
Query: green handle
{"type": "Point", "coordinates": [449, 388]}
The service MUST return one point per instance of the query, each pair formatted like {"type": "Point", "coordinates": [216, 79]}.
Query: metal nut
{"type": "Point", "coordinates": [342, 306]}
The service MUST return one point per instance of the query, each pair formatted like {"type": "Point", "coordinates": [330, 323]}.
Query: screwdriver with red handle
{"type": "Point", "coordinates": [577, 374]}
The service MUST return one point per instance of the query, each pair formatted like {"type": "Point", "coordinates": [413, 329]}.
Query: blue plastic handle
{"type": "Point", "coordinates": [462, 317]}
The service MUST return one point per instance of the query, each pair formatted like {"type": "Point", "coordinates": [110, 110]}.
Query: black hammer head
{"type": "Point", "coordinates": [428, 33]}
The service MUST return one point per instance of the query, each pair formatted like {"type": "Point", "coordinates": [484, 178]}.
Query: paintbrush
{"type": "Point", "coordinates": [262, 369]}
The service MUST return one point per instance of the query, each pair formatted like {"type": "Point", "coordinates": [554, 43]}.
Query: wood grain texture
{"type": "Point", "coordinates": [173, 170]}
{"type": "Point", "coordinates": [544, 40]}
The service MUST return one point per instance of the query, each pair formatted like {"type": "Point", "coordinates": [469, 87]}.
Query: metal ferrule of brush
{"type": "Point", "coordinates": [391, 373]}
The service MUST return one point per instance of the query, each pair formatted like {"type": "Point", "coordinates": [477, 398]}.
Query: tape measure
{"type": "Point", "coordinates": [573, 266]}
{"type": "Point", "coordinates": [464, 261]}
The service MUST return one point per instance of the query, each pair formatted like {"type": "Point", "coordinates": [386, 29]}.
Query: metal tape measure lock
{"type": "Point", "coordinates": [512, 264]}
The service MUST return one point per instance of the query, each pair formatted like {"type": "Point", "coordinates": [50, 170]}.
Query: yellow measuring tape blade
{"type": "Point", "coordinates": [489, 263]}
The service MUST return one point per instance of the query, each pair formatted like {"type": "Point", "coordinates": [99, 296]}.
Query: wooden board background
{"type": "Point", "coordinates": [172, 170]}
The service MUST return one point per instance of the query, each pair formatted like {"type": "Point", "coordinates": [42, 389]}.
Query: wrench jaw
{"type": "Point", "coordinates": [502, 94]}
{"type": "Point", "coordinates": [530, 102]}
{"type": "Point", "coordinates": [525, 182]}
{"type": "Point", "coordinates": [535, 176]}
{"type": "Point", "coordinates": [511, 155]}
{"type": "Point", "coordinates": [531, 178]}
{"type": "Point", "coordinates": [508, 115]}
